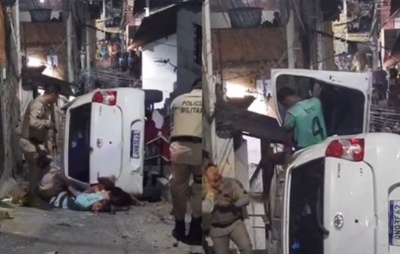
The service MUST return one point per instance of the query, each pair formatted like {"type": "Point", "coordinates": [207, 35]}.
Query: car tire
{"type": "Point", "coordinates": [153, 96]}
{"type": "Point", "coordinates": [152, 194]}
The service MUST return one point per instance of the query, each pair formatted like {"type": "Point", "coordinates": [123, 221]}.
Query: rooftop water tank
{"type": "Point", "coordinates": [40, 14]}
{"type": "Point", "coordinates": [245, 17]}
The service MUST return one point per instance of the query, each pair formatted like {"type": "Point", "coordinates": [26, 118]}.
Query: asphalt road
{"type": "Point", "coordinates": [143, 230]}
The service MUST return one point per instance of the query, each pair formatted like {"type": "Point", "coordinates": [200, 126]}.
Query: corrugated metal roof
{"type": "Point", "coordinates": [46, 33]}
{"type": "Point", "coordinates": [161, 24]}
{"type": "Point", "coordinates": [224, 5]}
{"type": "Point", "coordinates": [156, 26]}
{"type": "Point", "coordinates": [31, 78]}
{"type": "Point", "coordinates": [140, 5]}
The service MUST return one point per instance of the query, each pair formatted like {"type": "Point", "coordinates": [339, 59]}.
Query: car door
{"type": "Point", "coordinates": [360, 82]}
{"type": "Point", "coordinates": [106, 141]}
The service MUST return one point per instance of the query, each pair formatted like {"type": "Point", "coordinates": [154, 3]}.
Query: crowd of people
{"type": "Point", "coordinates": [385, 113]}
{"type": "Point", "coordinates": [110, 54]}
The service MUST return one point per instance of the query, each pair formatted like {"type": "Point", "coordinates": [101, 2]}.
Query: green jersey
{"type": "Point", "coordinates": [306, 121]}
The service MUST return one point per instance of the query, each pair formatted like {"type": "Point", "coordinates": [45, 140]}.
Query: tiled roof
{"type": "Point", "coordinates": [248, 45]}
{"type": "Point", "coordinates": [46, 33]}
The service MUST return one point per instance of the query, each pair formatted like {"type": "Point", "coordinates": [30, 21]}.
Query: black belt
{"type": "Point", "coordinates": [223, 225]}
{"type": "Point", "coordinates": [36, 141]}
{"type": "Point", "coordinates": [187, 139]}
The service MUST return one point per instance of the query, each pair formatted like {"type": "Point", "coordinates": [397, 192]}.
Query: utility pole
{"type": "Point", "coordinates": [374, 37]}
{"type": "Point", "coordinates": [320, 39]}
{"type": "Point", "coordinates": [209, 135]}
{"type": "Point", "coordinates": [291, 36]}
{"type": "Point", "coordinates": [147, 9]}
{"type": "Point", "coordinates": [122, 29]}
{"type": "Point", "coordinates": [19, 55]}
{"type": "Point", "coordinates": [88, 48]}
{"type": "Point", "coordinates": [70, 41]}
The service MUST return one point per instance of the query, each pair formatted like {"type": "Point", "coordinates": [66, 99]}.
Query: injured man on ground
{"type": "Point", "coordinates": [63, 192]}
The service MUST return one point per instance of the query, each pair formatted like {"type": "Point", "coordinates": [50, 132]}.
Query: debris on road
{"type": "Point", "coordinates": [64, 224]}
{"type": "Point", "coordinates": [6, 214]}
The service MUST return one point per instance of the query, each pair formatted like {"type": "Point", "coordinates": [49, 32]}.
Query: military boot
{"type": "Point", "coordinates": [179, 230]}
{"type": "Point", "coordinates": [195, 236]}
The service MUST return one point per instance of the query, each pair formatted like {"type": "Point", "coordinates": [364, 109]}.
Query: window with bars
{"type": "Point", "coordinates": [197, 41]}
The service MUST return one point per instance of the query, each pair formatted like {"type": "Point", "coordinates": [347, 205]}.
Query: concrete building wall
{"type": "Point", "coordinates": [9, 116]}
{"type": "Point", "coordinates": [156, 75]}
{"type": "Point", "coordinates": [188, 70]}
{"type": "Point", "coordinates": [41, 52]}
{"type": "Point", "coordinates": [397, 22]}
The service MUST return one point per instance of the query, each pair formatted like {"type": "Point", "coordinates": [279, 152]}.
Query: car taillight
{"type": "Point", "coordinates": [348, 149]}
{"type": "Point", "coordinates": [105, 97]}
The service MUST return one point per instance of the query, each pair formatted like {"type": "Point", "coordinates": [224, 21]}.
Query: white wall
{"type": "Point", "coordinates": [397, 23]}
{"type": "Point", "coordinates": [221, 19]}
{"type": "Point", "coordinates": [188, 70]}
{"type": "Point", "coordinates": [160, 76]}
{"type": "Point", "coordinates": [25, 16]}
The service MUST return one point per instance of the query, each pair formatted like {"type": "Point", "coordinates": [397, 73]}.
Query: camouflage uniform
{"type": "Point", "coordinates": [35, 136]}
{"type": "Point", "coordinates": [227, 217]}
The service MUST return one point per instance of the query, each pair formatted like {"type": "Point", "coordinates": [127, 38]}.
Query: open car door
{"type": "Point", "coordinates": [344, 96]}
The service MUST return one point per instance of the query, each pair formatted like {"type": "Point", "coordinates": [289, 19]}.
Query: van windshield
{"type": "Point", "coordinates": [79, 143]}
{"type": "Point", "coordinates": [306, 230]}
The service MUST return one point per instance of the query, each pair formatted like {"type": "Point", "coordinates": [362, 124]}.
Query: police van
{"type": "Point", "coordinates": [104, 136]}
{"type": "Point", "coordinates": [343, 195]}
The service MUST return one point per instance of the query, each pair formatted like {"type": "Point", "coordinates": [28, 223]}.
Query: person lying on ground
{"type": "Point", "coordinates": [118, 197]}
{"type": "Point", "coordinates": [81, 202]}
{"type": "Point", "coordinates": [101, 200]}
{"type": "Point", "coordinates": [55, 182]}
{"type": "Point", "coordinates": [52, 184]}
{"type": "Point", "coordinates": [91, 200]}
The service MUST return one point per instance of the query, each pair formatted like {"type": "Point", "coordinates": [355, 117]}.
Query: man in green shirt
{"type": "Point", "coordinates": [304, 120]}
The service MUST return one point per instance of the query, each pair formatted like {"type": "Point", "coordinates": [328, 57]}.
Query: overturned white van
{"type": "Point", "coordinates": [104, 136]}
{"type": "Point", "coordinates": [339, 196]}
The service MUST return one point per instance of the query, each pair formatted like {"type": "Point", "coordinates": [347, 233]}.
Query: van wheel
{"type": "Point", "coordinates": [152, 194]}
{"type": "Point", "coordinates": [153, 96]}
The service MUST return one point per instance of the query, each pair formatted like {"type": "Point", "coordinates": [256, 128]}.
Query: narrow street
{"type": "Point", "coordinates": [142, 230]}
